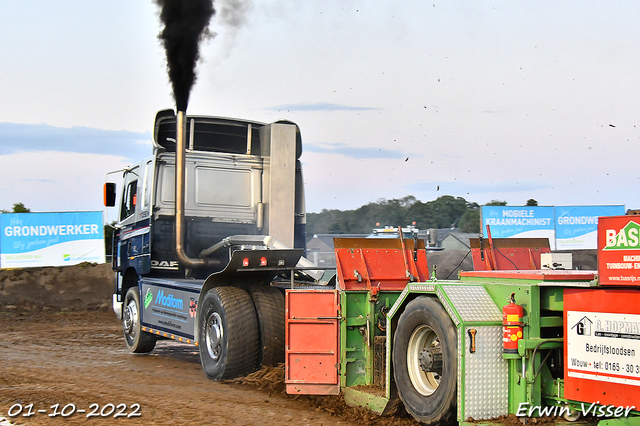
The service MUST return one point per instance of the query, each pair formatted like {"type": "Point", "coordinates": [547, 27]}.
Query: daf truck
{"type": "Point", "coordinates": [210, 229]}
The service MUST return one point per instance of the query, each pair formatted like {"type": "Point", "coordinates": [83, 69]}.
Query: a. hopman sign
{"type": "Point", "coordinates": [50, 239]}
{"type": "Point", "coordinates": [566, 227]}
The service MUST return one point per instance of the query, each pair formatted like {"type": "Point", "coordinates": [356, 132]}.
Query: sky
{"type": "Point", "coordinates": [486, 100]}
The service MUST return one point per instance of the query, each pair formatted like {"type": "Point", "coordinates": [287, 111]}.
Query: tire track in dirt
{"type": "Point", "coordinates": [79, 357]}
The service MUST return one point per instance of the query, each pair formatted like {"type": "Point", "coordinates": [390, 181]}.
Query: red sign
{"type": "Point", "coordinates": [602, 346]}
{"type": "Point", "coordinates": [619, 250]}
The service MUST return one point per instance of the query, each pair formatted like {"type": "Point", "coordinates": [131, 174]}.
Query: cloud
{"type": "Point", "coordinates": [461, 188]}
{"type": "Point", "coordinates": [15, 138]}
{"type": "Point", "coordinates": [354, 152]}
{"type": "Point", "coordinates": [481, 187]}
{"type": "Point", "coordinates": [55, 181]}
{"type": "Point", "coordinates": [320, 106]}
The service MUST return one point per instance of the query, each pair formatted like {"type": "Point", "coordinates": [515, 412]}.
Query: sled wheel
{"type": "Point", "coordinates": [269, 303]}
{"type": "Point", "coordinates": [424, 361]}
{"type": "Point", "coordinates": [228, 331]}
{"type": "Point", "coordinates": [137, 341]}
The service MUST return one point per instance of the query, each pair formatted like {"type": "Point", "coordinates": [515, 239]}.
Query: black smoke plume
{"type": "Point", "coordinates": [186, 23]}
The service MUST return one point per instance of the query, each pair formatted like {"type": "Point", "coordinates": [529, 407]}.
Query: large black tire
{"type": "Point", "coordinates": [228, 333]}
{"type": "Point", "coordinates": [428, 393]}
{"type": "Point", "coordinates": [137, 341]}
{"type": "Point", "coordinates": [269, 303]}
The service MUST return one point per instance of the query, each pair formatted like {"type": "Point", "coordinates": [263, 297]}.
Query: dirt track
{"type": "Point", "coordinates": [55, 351]}
{"type": "Point", "coordinates": [60, 343]}
{"type": "Point", "coordinates": [79, 358]}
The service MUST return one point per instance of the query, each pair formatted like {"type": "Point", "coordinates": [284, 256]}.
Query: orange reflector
{"type": "Point", "coordinates": [245, 261]}
{"type": "Point", "coordinates": [263, 261]}
{"type": "Point", "coordinates": [180, 339]}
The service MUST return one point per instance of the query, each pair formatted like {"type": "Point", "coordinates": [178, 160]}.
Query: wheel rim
{"type": "Point", "coordinates": [422, 338]}
{"type": "Point", "coordinates": [130, 318]}
{"type": "Point", "coordinates": [214, 335]}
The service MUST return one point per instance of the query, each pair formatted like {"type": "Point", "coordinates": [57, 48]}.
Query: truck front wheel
{"type": "Point", "coordinates": [228, 331]}
{"type": "Point", "coordinates": [137, 340]}
{"type": "Point", "coordinates": [424, 361]}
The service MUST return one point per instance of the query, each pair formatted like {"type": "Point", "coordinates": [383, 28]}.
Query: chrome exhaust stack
{"type": "Point", "coordinates": [181, 127]}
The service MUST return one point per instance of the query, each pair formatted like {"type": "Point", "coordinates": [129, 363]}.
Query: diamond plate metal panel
{"type": "Point", "coordinates": [460, 361]}
{"type": "Point", "coordinates": [447, 307]}
{"type": "Point", "coordinates": [486, 378]}
{"type": "Point", "coordinates": [473, 303]}
{"type": "Point", "coordinates": [399, 302]}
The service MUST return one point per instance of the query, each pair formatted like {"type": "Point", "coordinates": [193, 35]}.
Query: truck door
{"type": "Point", "coordinates": [133, 248]}
{"type": "Point", "coordinates": [127, 220]}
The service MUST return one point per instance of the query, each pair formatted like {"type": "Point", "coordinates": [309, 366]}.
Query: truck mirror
{"type": "Point", "coordinates": [109, 194]}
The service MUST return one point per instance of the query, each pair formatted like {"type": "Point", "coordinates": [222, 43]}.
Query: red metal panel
{"type": "Point", "coordinates": [365, 266]}
{"type": "Point", "coordinates": [619, 250]}
{"type": "Point", "coordinates": [539, 275]}
{"type": "Point", "coordinates": [508, 253]}
{"type": "Point", "coordinates": [602, 346]}
{"type": "Point", "coordinates": [311, 342]}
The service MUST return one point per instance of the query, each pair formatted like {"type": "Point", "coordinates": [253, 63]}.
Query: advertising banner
{"type": "Point", "coordinates": [577, 226]}
{"type": "Point", "coordinates": [619, 250]}
{"type": "Point", "coordinates": [602, 351]}
{"type": "Point", "coordinates": [521, 222]}
{"type": "Point", "coordinates": [169, 309]}
{"type": "Point", "coordinates": [566, 227]}
{"type": "Point", "coordinates": [50, 239]}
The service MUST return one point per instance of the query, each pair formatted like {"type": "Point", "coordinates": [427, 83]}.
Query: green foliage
{"type": "Point", "coordinates": [531, 202]}
{"type": "Point", "coordinates": [444, 212]}
{"type": "Point", "coordinates": [20, 208]}
{"type": "Point", "coordinates": [496, 203]}
{"type": "Point", "coordinates": [17, 208]}
{"type": "Point", "coordinates": [470, 221]}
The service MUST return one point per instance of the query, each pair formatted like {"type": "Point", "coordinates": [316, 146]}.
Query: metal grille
{"type": "Point", "coordinates": [422, 287]}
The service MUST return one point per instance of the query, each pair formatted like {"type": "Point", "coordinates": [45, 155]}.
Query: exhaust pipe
{"type": "Point", "coordinates": [185, 260]}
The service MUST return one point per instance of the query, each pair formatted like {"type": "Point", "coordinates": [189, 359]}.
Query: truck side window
{"type": "Point", "coordinates": [129, 200]}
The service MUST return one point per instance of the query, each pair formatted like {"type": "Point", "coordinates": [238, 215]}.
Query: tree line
{"type": "Point", "coordinates": [17, 208]}
{"type": "Point", "coordinates": [444, 212]}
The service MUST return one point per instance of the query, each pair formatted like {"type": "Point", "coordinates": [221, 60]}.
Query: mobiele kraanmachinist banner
{"type": "Point", "coordinates": [566, 227]}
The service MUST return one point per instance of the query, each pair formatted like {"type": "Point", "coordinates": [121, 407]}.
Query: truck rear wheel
{"type": "Point", "coordinates": [137, 340]}
{"type": "Point", "coordinates": [269, 303]}
{"type": "Point", "coordinates": [424, 361]}
{"type": "Point", "coordinates": [228, 331]}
